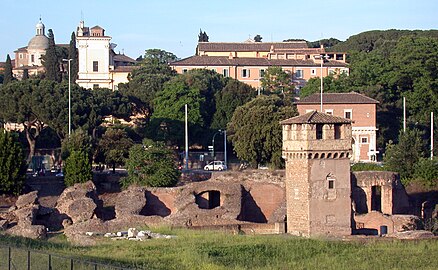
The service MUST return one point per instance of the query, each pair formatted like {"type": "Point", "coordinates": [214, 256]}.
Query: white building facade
{"type": "Point", "coordinates": [98, 65]}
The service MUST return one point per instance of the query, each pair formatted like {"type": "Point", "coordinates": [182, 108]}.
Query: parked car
{"type": "Point", "coordinates": [215, 166]}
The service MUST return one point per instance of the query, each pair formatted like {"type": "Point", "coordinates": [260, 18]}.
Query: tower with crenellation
{"type": "Point", "coordinates": [317, 150]}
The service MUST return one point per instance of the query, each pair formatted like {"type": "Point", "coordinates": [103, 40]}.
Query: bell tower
{"type": "Point", "coordinates": [317, 150]}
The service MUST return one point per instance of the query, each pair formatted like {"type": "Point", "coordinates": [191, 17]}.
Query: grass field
{"type": "Point", "coordinates": [216, 250]}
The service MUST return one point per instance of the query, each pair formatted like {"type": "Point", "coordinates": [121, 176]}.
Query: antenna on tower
{"type": "Point", "coordinates": [82, 15]}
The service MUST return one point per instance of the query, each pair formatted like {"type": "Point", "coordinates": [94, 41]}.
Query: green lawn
{"type": "Point", "coordinates": [215, 250]}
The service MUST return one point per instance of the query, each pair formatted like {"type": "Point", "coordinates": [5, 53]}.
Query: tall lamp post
{"type": "Point", "coordinates": [69, 95]}
{"type": "Point", "coordinates": [225, 145]}
{"type": "Point", "coordinates": [322, 57]}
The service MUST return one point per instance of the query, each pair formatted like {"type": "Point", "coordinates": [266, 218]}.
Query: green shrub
{"type": "Point", "coordinates": [12, 164]}
{"type": "Point", "coordinates": [77, 168]}
{"type": "Point", "coordinates": [79, 140]}
{"type": "Point", "coordinates": [403, 156]}
{"type": "Point", "coordinates": [151, 164]}
{"type": "Point", "coordinates": [426, 172]}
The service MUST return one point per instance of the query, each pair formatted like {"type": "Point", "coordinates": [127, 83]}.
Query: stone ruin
{"type": "Point", "coordinates": [248, 202]}
{"type": "Point", "coordinates": [252, 202]}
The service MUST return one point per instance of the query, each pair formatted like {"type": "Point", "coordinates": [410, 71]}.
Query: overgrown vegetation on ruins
{"type": "Point", "coordinates": [216, 250]}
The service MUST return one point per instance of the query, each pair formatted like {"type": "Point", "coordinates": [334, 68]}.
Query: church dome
{"type": "Point", "coordinates": [38, 42]}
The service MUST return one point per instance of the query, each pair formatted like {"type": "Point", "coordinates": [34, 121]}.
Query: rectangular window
{"type": "Point", "coordinates": [363, 139]}
{"type": "Point", "coordinates": [313, 72]}
{"type": "Point", "coordinates": [225, 72]}
{"type": "Point", "coordinates": [21, 56]}
{"type": "Point", "coordinates": [95, 66]}
{"type": "Point", "coordinates": [337, 131]}
{"type": "Point", "coordinates": [262, 73]}
{"type": "Point", "coordinates": [319, 131]}
{"type": "Point", "coordinates": [329, 111]}
{"type": "Point", "coordinates": [331, 183]}
{"type": "Point", "coordinates": [184, 71]}
{"type": "Point", "coordinates": [332, 72]}
{"type": "Point", "coordinates": [95, 86]}
{"type": "Point", "coordinates": [299, 74]}
{"type": "Point", "coordinates": [348, 114]}
{"type": "Point", "coordinates": [245, 73]}
{"type": "Point", "coordinates": [32, 58]}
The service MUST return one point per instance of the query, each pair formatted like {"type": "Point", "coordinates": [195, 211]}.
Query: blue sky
{"type": "Point", "coordinates": [174, 25]}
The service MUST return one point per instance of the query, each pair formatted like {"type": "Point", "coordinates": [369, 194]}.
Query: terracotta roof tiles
{"type": "Point", "coordinates": [338, 98]}
{"type": "Point", "coordinates": [249, 47]}
{"type": "Point", "coordinates": [249, 61]}
{"type": "Point", "coordinates": [315, 117]}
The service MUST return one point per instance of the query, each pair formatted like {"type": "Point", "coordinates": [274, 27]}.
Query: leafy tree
{"type": "Point", "coordinates": [426, 172]}
{"type": "Point", "coordinates": [151, 164]}
{"type": "Point", "coordinates": [73, 54]}
{"type": "Point", "coordinates": [233, 95]}
{"type": "Point", "coordinates": [403, 156]}
{"type": "Point", "coordinates": [8, 77]}
{"type": "Point", "coordinates": [115, 145]}
{"type": "Point", "coordinates": [196, 88]}
{"type": "Point", "coordinates": [12, 164]}
{"type": "Point", "coordinates": [332, 84]}
{"type": "Point", "coordinates": [414, 72]}
{"type": "Point", "coordinates": [18, 106]}
{"type": "Point", "coordinates": [157, 56]}
{"type": "Point", "coordinates": [255, 130]}
{"type": "Point", "coordinates": [89, 108]}
{"type": "Point", "coordinates": [376, 39]}
{"type": "Point", "coordinates": [50, 60]}
{"type": "Point", "coordinates": [78, 141]}
{"type": "Point", "coordinates": [276, 80]}
{"type": "Point", "coordinates": [77, 168]}
{"type": "Point", "coordinates": [148, 80]}
{"type": "Point", "coordinates": [202, 37]}
{"type": "Point", "coordinates": [169, 131]}
{"type": "Point", "coordinates": [258, 38]}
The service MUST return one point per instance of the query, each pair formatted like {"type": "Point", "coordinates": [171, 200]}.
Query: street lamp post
{"type": "Point", "coordinates": [225, 146]}
{"type": "Point", "coordinates": [322, 57]}
{"type": "Point", "coordinates": [69, 95]}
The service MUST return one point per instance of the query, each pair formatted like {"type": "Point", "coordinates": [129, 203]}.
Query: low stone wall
{"type": "Point", "coordinates": [246, 228]}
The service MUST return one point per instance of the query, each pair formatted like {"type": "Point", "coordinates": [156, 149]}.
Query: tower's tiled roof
{"type": "Point", "coordinates": [315, 117]}
{"type": "Point", "coordinates": [338, 98]}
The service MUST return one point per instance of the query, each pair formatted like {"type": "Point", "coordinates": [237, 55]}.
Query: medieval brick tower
{"type": "Point", "coordinates": [317, 150]}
